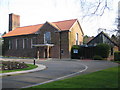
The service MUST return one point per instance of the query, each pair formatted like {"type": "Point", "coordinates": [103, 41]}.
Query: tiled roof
{"type": "Point", "coordinates": [65, 25]}
{"type": "Point", "coordinates": [23, 30]}
{"type": "Point", "coordinates": [60, 25]}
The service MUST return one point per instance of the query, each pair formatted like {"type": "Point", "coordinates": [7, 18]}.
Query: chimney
{"type": "Point", "coordinates": [14, 21]}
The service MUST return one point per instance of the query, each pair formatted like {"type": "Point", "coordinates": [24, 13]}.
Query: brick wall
{"type": "Point", "coordinates": [19, 51]}
{"type": "Point", "coordinates": [65, 44]}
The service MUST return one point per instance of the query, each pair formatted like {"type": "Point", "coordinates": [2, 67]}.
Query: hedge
{"type": "Point", "coordinates": [102, 50]}
{"type": "Point", "coordinates": [117, 56]}
{"type": "Point", "coordinates": [96, 57]}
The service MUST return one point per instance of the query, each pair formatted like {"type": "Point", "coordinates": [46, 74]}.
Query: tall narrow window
{"type": "Point", "coordinates": [17, 44]}
{"type": "Point", "coordinates": [77, 41]}
{"type": "Point", "coordinates": [47, 38]}
{"type": "Point", "coordinates": [23, 44]}
{"type": "Point", "coordinates": [31, 43]}
{"type": "Point", "coordinates": [10, 44]}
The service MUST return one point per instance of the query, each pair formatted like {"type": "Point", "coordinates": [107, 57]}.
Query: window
{"type": "Point", "coordinates": [17, 43]}
{"type": "Point", "coordinates": [25, 43]}
{"type": "Point", "coordinates": [10, 44]}
{"type": "Point", "coordinates": [61, 51]}
{"type": "Point", "coordinates": [31, 43]}
{"type": "Point", "coordinates": [47, 38]}
{"type": "Point", "coordinates": [77, 42]}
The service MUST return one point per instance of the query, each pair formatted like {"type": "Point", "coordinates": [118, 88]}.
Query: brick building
{"type": "Point", "coordinates": [48, 40]}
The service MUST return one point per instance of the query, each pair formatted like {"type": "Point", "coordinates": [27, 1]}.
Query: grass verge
{"type": "Point", "coordinates": [30, 66]}
{"type": "Point", "coordinates": [107, 78]}
{"type": "Point", "coordinates": [117, 61]}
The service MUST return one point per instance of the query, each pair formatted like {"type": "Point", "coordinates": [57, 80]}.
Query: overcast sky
{"type": "Point", "coordinates": [39, 11]}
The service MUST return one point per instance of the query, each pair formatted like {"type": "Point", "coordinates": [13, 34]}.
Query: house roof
{"type": "Point", "coordinates": [60, 25]}
{"type": "Point", "coordinates": [23, 30]}
{"type": "Point", "coordinates": [65, 25]}
{"type": "Point", "coordinates": [105, 36]}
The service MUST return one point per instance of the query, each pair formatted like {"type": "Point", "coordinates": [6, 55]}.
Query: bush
{"type": "Point", "coordinates": [103, 50]}
{"type": "Point", "coordinates": [96, 57]}
{"type": "Point", "coordinates": [117, 56]}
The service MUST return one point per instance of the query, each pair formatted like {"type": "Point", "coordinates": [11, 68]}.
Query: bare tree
{"type": "Point", "coordinates": [95, 7]}
{"type": "Point", "coordinates": [118, 26]}
{"type": "Point", "coordinates": [118, 37]}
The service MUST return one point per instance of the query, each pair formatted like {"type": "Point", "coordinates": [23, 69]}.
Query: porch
{"type": "Point", "coordinates": [43, 50]}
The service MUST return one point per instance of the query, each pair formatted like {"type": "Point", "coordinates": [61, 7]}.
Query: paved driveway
{"type": "Point", "coordinates": [56, 69]}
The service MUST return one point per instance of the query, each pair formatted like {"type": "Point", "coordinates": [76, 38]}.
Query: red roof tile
{"type": "Point", "coordinates": [65, 25]}
{"type": "Point", "coordinates": [23, 30]}
{"type": "Point", "coordinates": [62, 25]}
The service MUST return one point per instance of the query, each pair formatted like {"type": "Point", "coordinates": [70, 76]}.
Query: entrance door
{"type": "Point", "coordinates": [45, 53]}
{"type": "Point", "coordinates": [49, 53]}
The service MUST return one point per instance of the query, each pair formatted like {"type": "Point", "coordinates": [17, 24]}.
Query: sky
{"type": "Point", "coordinates": [39, 11]}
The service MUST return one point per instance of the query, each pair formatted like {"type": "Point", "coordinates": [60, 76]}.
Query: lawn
{"type": "Point", "coordinates": [30, 66]}
{"type": "Point", "coordinates": [107, 78]}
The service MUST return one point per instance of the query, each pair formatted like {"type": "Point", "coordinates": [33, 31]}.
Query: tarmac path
{"type": "Point", "coordinates": [55, 69]}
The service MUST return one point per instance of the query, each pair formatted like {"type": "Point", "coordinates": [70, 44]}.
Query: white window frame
{"type": "Point", "coordinates": [77, 40]}
{"type": "Point", "coordinates": [23, 43]}
{"type": "Point", "coordinates": [31, 43]}
{"type": "Point", "coordinates": [45, 37]}
{"type": "Point", "coordinates": [10, 44]}
{"type": "Point", "coordinates": [16, 44]}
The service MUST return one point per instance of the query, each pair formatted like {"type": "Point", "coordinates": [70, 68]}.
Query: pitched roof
{"type": "Point", "coordinates": [60, 25]}
{"type": "Point", "coordinates": [23, 30]}
{"type": "Point", "coordinates": [65, 25]}
{"type": "Point", "coordinates": [105, 36]}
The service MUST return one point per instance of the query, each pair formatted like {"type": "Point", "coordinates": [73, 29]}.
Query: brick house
{"type": "Point", "coordinates": [48, 40]}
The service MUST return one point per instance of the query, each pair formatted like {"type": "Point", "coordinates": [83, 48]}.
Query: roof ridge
{"type": "Point", "coordinates": [49, 22]}
{"type": "Point", "coordinates": [29, 25]}
{"type": "Point", "coordinates": [64, 20]}
{"type": "Point", "coordinates": [53, 24]}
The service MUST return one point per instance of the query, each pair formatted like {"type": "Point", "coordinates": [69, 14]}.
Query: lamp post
{"type": "Point", "coordinates": [34, 61]}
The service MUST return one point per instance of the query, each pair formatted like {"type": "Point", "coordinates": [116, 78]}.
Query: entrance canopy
{"type": "Point", "coordinates": [46, 51]}
{"type": "Point", "coordinates": [41, 45]}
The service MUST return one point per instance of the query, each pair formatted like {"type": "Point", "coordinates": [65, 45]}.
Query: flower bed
{"type": "Point", "coordinates": [10, 65]}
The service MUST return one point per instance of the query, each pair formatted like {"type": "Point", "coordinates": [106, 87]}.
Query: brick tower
{"type": "Point", "coordinates": [14, 21]}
